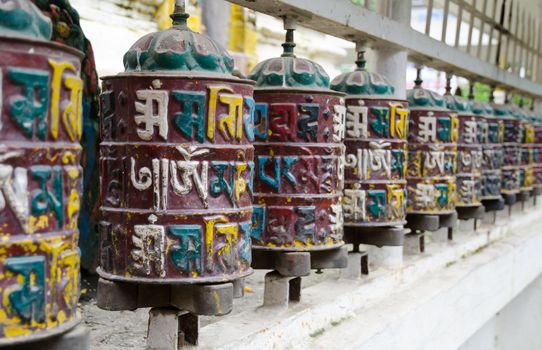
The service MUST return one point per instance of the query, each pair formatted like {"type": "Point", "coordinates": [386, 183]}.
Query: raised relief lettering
{"type": "Point", "coordinates": [29, 110]}
{"type": "Point", "coordinates": [153, 112]}
{"type": "Point", "coordinates": [149, 247]}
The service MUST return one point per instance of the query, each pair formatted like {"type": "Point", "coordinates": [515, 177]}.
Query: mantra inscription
{"type": "Point", "coordinates": [491, 135]}
{"type": "Point", "coordinates": [40, 187]}
{"type": "Point", "coordinates": [432, 161]}
{"type": "Point", "coordinates": [511, 169]}
{"type": "Point", "coordinates": [469, 161]}
{"type": "Point", "coordinates": [537, 153]}
{"type": "Point", "coordinates": [375, 162]}
{"type": "Point", "coordinates": [299, 170]}
{"type": "Point", "coordinates": [527, 148]}
{"type": "Point", "coordinates": [177, 170]}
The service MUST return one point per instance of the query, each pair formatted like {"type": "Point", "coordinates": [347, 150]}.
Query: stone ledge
{"type": "Point", "coordinates": [449, 292]}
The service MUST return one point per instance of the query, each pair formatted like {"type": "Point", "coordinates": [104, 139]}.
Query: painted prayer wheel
{"type": "Point", "coordinates": [511, 168]}
{"type": "Point", "coordinates": [537, 151]}
{"type": "Point", "coordinates": [432, 153]}
{"type": "Point", "coordinates": [526, 147]}
{"type": "Point", "coordinates": [40, 178]}
{"type": "Point", "coordinates": [376, 150]}
{"type": "Point", "coordinates": [299, 131]}
{"type": "Point", "coordinates": [177, 163]}
{"type": "Point", "coordinates": [490, 133]}
{"type": "Point", "coordinates": [469, 154]}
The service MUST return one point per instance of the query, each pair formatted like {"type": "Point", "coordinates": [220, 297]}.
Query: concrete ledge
{"type": "Point", "coordinates": [448, 292]}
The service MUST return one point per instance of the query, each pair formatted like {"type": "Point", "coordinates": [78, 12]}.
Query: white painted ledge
{"type": "Point", "coordinates": [437, 300]}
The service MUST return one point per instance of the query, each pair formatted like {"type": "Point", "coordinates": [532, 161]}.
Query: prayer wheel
{"type": "Point", "coordinates": [491, 133]}
{"type": "Point", "coordinates": [512, 135]}
{"type": "Point", "coordinates": [299, 162]}
{"type": "Point", "coordinates": [376, 152]}
{"type": "Point", "coordinates": [432, 153]}
{"type": "Point", "coordinates": [537, 152]}
{"type": "Point", "coordinates": [40, 177]}
{"type": "Point", "coordinates": [177, 164]}
{"type": "Point", "coordinates": [526, 147]}
{"type": "Point", "coordinates": [469, 157]}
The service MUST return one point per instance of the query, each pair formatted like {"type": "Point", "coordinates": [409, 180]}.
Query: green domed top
{"type": "Point", "coordinates": [502, 110]}
{"type": "Point", "coordinates": [457, 103]}
{"type": "Point", "coordinates": [362, 82]}
{"type": "Point", "coordinates": [420, 97]}
{"type": "Point", "coordinates": [21, 18]}
{"type": "Point", "coordinates": [289, 71]}
{"type": "Point", "coordinates": [481, 108]}
{"type": "Point", "coordinates": [520, 113]}
{"type": "Point", "coordinates": [178, 49]}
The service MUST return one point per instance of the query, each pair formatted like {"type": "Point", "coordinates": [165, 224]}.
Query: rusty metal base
{"type": "Point", "coordinates": [414, 243]}
{"type": "Point", "coordinates": [283, 284]}
{"type": "Point", "coordinates": [377, 236]}
{"type": "Point", "coordinates": [206, 299]}
{"type": "Point", "coordinates": [509, 198]}
{"type": "Point", "coordinates": [467, 213]}
{"type": "Point", "coordinates": [493, 204]}
{"type": "Point", "coordinates": [298, 264]}
{"type": "Point", "coordinates": [78, 338]}
{"type": "Point", "coordinates": [170, 328]}
{"type": "Point", "coordinates": [524, 196]}
{"type": "Point", "coordinates": [432, 222]}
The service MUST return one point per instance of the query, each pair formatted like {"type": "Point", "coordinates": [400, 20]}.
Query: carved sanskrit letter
{"type": "Point", "coordinates": [354, 205]}
{"type": "Point", "coordinates": [443, 198]}
{"type": "Point", "coordinates": [427, 128]}
{"type": "Point", "coordinates": [258, 222]}
{"type": "Point", "coordinates": [43, 200]}
{"type": "Point", "coordinates": [356, 122]}
{"type": "Point", "coordinates": [27, 299]}
{"type": "Point", "coordinates": [305, 225]}
{"type": "Point", "coordinates": [72, 117]}
{"type": "Point", "coordinates": [31, 106]}
{"type": "Point", "coordinates": [307, 123]}
{"type": "Point", "coordinates": [271, 181]}
{"type": "Point", "coordinates": [381, 125]}
{"type": "Point", "coordinates": [14, 192]}
{"type": "Point", "coordinates": [149, 247]}
{"type": "Point", "coordinates": [231, 124]}
{"type": "Point", "coordinates": [149, 117]}
{"type": "Point", "coordinates": [378, 205]}
{"type": "Point", "coordinates": [425, 195]}
{"type": "Point", "coordinates": [190, 174]}
{"type": "Point", "coordinates": [470, 132]}
{"type": "Point", "coordinates": [282, 121]}
{"type": "Point", "coordinates": [187, 254]}
{"type": "Point", "coordinates": [398, 120]}
{"type": "Point", "coordinates": [223, 228]}
{"type": "Point", "coordinates": [187, 120]}
{"type": "Point", "coordinates": [213, 103]}
{"type": "Point", "coordinates": [260, 121]}
{"type": "Point", "coordinates": [336, 220]}
{"type": "Point", "coordinates": [248, 119]}
{"type": "Point", "coordinates": [339, 121]}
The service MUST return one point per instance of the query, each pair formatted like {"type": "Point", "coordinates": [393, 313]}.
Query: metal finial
{"type": "Point", "coordinates": [532, 105]}
{"type": "Point", "coordinates": [360, 50]}
{"type": "Point", "coordinates": [471, 91]}
{"type": "Point", "coordinates": [289, 44]}
{"type": "Point", "coordinates": [492, 94]}
{"type": "Point", "coordinates": [179, 15]}
{"type": "Point", "coordinates": [521, 101]}
{"type": "Point", "coordinates": [448, 84]}
{"type": "Point", "coordinates": [418, 82]}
